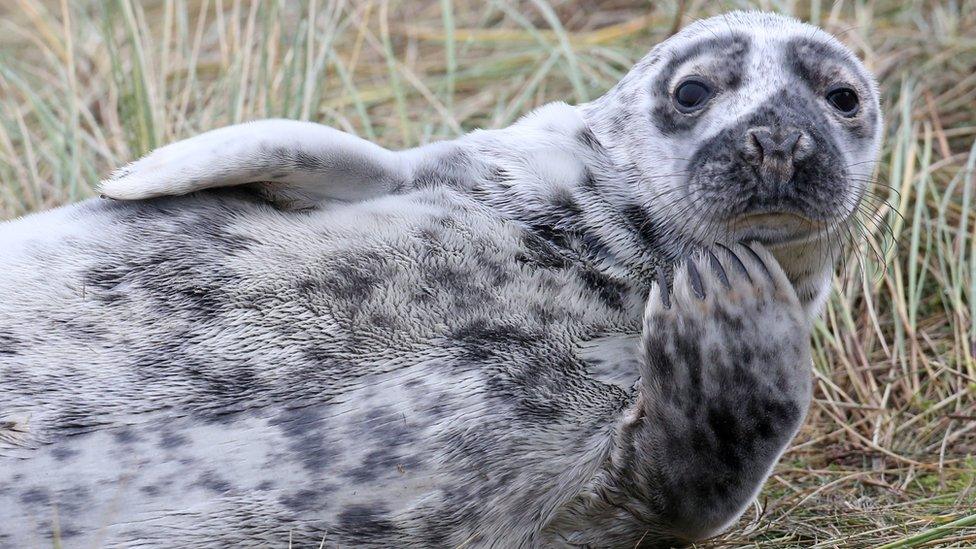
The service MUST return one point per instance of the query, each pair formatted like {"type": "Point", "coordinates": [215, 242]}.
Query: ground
{"type": "Point", "coordinates": [887, 453]}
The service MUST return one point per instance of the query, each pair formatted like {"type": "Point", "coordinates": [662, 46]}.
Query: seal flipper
{"type": "Point", "coordinates": [294, 164]}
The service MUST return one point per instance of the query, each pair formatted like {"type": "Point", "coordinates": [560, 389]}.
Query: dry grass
{"type": "Point", "coordinates": [887, 453]}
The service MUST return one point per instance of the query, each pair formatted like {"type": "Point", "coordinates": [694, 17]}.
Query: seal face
{"type": "Point", "coordinates": [502, 340]}
{"type": "Point", "coordinates": [765, 153]}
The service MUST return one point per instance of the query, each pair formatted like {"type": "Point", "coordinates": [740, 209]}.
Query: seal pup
{"type": "Point", "coordinates": [476, 353]}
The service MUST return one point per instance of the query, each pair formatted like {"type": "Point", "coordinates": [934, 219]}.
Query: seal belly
{"type": "Point", "coordinates": [208, 368]}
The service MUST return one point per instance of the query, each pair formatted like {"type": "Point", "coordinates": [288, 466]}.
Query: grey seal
{"type": "Point", "coordinates": [543, 335]}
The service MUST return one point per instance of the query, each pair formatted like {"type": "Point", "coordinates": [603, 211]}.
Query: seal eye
{"type": "Point", "coordinates": [844, 100]}
{"type": "Point", "coordinates": [691, 95]}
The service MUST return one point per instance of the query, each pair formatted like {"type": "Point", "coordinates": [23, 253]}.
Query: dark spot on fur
{"type": "Point", "coordinates": [589, 139]}
{"type": "Point", "coordinates": [68, 532]}
{"type": "Point", "coordinates": [415, 383]}
{"type": "Point", "coordinates": [732, 322]}
{"type": "Point", "coordinates": [497, 174]}
{"type": "Point", "coordinates": [481, 338]}
{"type": "Point", "coordinates": [658, 362]}
{"type": "Point", "coordinates": [610, 291]}
{"type": "Point", "coordinates": [35, 496]}
{"type": "Point", "coordinates": [563, 205]}
{"type": "Point", "coordinates": [304, 429]}
{"type": "Point", "coordinates": [169, 440]}
{"type": "Point", "coordinates": [589, 183]}
{"type": "Point", "coordinates": [540, 253]}
{"type": "Point", "coordinates": [367, 521]}
{"type": "Point", "coordinates": [169, 275]}
{"type": "Point", "coordinates": [61, 453]}
{"type": "Point", "coordinates": [376, 465]}
{"type": "Point", "coordinates": [387, 427]}
{"type": "Point", "coordinates": [9, 345]}
{"type": "Point", "coordinates": [815, 62]}
{"type": "Point", "coordinates": [353, 278]}
{"type": "Point", "coordinates": [81, 329]}
{"type": "Point", "coordinates": [382, 321]}
{"type": "Point", "coordinates": [306, 500]}
{"type": "Point", "coordinates": [597, 249]}
{"type": "Point", "coordinates": [455, 281]}
{"type": "Point", "coordinates": [452, 169]}
{"type": "Point", "coordinates": [125, 435]}
{"type": "Point", "coordinates": [213, 482]}
{"type": "Point", "coordinates": [641, 225]}
{"type": "Point", "coordinates": [724, 426]}
{"type": "Point", "coordinates": [498, 273]}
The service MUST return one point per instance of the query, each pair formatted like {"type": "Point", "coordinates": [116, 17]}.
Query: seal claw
{"type": "Point", "coordinates": [719, 269]}
{"type": "Point", "coordinates": [739, 265]}
{"type": "Point", "coordinates": [662, 283]}
{"type": "Point", "coordinates": [758, 259]}
{"type": "Point", "coordinates": [696, 281]}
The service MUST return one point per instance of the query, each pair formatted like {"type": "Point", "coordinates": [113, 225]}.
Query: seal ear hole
{"type": "Point", "coordinates": [691, 95]}
{"type": "Point", "coordinates": [844, 99]}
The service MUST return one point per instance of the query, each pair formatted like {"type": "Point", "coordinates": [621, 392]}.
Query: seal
{"type": "Point", "coordinates": [543, 335]}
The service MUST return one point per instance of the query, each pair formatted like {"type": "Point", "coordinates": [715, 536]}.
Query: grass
{"type": "Point", "coordinates": [886, 456]}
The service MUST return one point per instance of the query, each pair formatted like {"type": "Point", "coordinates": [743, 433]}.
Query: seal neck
{"type": "Point", "coordinates": [553, 174]}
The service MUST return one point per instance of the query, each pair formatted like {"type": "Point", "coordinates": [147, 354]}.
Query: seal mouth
{"type": "Point", "coordinates": [778, 227]}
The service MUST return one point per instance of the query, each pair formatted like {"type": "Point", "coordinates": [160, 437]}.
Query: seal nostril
{"type": "Point", "coordinates": [782, 147]}
{"type": "Point", "coordinates": [803, 147]}
{"type": "Point", "coordinates": [755, 145]}
{"type": "Point", "coordinates": [789, 143]}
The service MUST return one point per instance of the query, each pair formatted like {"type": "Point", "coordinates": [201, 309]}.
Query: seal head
{"type": "Point", "coordinates": [745, 126]}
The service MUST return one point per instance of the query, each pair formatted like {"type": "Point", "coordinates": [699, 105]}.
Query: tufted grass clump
{"type": "Point", "coordinates": [887, 454]}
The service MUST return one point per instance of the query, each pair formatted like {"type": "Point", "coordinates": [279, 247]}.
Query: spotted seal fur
{"type": "Point", "coordinates": [512, 340]}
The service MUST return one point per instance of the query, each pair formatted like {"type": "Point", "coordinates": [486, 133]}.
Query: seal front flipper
{"type": "Point", "coordinates": [727, 384]}
{"type": "Point", "coordinates": [295, 165]}
{"type": "Point", "coordinates": [725, 381]}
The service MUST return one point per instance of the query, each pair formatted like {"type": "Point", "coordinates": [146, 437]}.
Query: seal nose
{"type": "Point", "coordinates": [775, 153]}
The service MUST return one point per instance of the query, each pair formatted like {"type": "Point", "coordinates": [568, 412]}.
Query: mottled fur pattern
{"type": "Point", "coordinates": [445, 346]}
{"type": "Point", "coordinates": [726, 386]}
